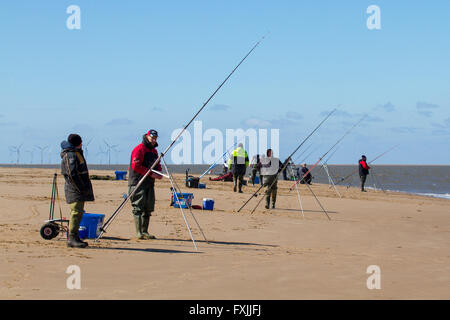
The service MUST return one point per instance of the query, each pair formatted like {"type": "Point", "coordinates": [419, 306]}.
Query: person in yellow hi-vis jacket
{"type": "Point", "coordinates": [238, 164]}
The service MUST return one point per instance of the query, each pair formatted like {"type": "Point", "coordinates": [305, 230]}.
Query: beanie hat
{"type": "Point", "coordinates": [153, 133]}
{"type": "Point", "coordinates": [74, 139]}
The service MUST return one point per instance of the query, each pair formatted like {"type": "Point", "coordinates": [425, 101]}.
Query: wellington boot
{"type": "Point", "coordinates": [79, 240]}
{"type": "Point", "coordinates": [145, 223]}
{"type": "Point", "coordinates": [138, 225]}
{"type": "Point", "coordinates": [73, 242]}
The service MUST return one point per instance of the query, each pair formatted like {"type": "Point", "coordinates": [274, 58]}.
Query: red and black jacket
{"type": "Point", "coordinates": [142, 158]}
{"type": "Point", "coordinates": [363, 168]}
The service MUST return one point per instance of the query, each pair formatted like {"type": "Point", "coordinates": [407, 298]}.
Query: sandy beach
{"type": "Point", "coordinates": [270, 254]}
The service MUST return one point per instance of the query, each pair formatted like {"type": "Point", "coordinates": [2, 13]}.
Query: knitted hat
{"type": "Point", "coordinates": [74, 139]}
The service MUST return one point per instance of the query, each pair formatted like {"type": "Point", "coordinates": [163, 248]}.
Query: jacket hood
{"type": "Point", "coordinates": [66, 146]}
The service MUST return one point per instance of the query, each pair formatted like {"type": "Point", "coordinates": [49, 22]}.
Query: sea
{"type": "Point", "coordinates": [426, 180]}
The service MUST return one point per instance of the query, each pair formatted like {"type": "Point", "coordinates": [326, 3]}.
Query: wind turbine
{"type": "Point", "coordinates": [86, 148]}
{"type": "Point", "coordinates": [108, 151]}
{"type": "Point", "coordinates": [31, 152]}
{"type": "Point", "coordinates": [16, 149]}
{"type": "Point", "coordinates": [42, 152]}
{"type": "Point", "coordinates": [101, 153]}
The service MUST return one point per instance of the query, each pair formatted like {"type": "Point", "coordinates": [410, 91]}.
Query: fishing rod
{"type": "Point", "coordinates": [377, 157]}
{"type": "Point", "coordinates": [255, 194]}
{"type": "Point", "coordinates": [302, 153]}
{"type": "Point", "coordinates": [309, 154]}
{"type": "Point", "coordinates": [116, 212]}
{"type": "Point", "coordinates": [332, 154]}
{"type": "Point", "coordinates": [320, 159]}
{"type": "Point", "coordinates": [214, 164]}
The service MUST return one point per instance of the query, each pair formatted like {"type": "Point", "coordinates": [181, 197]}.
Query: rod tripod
{"type": "Point", "coordinates": [176, 189]}
{"type": "Point", "coordinates": [330, 180]}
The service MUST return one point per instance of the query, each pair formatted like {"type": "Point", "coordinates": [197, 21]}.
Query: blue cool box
{"type": "Point", "coordinates": [184, 200]}
{"type": "Point", "coordinates": [208, 204]}
{"type": "Point", "coordinates": [90, 225]}
{"type": "Point", "coordinates": [121, 175]}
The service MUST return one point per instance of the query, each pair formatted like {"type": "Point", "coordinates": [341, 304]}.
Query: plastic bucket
{"type": "Point", "coordinates": [120, 175]}
{"type": "Point", "coordinates": [90, 225]}
{"type": "Point", "coordinates": [208, 204]}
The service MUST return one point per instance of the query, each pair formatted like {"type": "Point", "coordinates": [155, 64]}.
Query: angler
{"type": "Point", "coordinates": [376, 158]}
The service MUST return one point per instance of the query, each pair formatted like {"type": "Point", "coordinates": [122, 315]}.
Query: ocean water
{"type": "Point", "coordinates": [427, 180]}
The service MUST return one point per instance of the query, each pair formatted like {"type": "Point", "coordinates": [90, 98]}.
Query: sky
{"type": "Point", "coordinates": [139, 65]}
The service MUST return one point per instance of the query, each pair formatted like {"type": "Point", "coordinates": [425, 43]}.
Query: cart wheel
{"type": "Point", "coordinates": [49, 231]}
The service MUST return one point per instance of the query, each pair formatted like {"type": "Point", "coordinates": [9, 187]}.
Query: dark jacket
{"type": "Point", "coordinates": [363, 168]}
{"type": "Point", "coordinates": [78, 186]}
{"type": "Point", "coordinates": [142, 158]}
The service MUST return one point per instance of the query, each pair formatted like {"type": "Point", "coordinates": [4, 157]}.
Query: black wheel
{"type": "Point", "coordinates": [49, 231]}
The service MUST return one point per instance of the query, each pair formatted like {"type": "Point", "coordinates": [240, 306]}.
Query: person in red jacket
{"type": "Point", "coordinates": [143, 200]}
{"type": "Point", "coordinates": [363, 171]}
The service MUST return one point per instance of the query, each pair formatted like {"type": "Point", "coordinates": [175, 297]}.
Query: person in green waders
{"type": "Point", "coordinates": [143, 200]}
{"type": "Point", "coordinates": [77, 187]}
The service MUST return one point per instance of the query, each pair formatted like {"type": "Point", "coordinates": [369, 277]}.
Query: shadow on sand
{"type": "Point", "coordinates": [304, 210]}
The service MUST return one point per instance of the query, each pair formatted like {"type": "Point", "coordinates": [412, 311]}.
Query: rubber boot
{"type": "Point", "coordinates": [138, 225]}
{"type": "Point", "coordinates": [72, 242]}
{"type": "Point", "coordinates": [79, 240]}
{"type": "Point", "coordinates": [145, 223]}
{"type": "Point", "coordinates": [267, 202]}
{"type": "Point", "coordinates": [274, 199]}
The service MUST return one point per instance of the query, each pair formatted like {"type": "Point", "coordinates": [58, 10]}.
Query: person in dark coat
{"type": "Point", "coordinates": [77, 187]}
{"type": "Point", "coordinates": [256, 168]}
{"type": "Point", "coordinates": [305, 175]}
{"type": "Point", "coordinates": [285, 167]}
{"type": "Point", "coordinates": [363, 171]}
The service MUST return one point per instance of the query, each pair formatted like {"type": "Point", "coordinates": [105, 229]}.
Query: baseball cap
{"type": "Point", "coordinates": [152, 133]}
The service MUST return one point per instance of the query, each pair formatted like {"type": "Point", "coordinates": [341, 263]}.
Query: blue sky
{"type": "Point", "coordinates": [136, 65]}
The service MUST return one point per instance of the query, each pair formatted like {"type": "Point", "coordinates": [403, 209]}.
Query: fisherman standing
{"type": "Point", "coordinates": [255, 165]}
{"type": "Point", "coordinates": [143, 200]}
{"type": "Point", "coordinates": [77, 187]}
{"type": "Point", "coordinates": [363, 171]}
{"type": "Point", "coordinates": [305, 175]}
{"type": "Point", "coordinates": [286, 167]}
{"type": "Point", "coordinates": [270, 168]}
{"type": "Point", "coordinates": [238, 164]}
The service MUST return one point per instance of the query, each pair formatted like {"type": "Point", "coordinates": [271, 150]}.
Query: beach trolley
{"type": "Point", "coordinates": [90, 224]}
{"type": "Point", "coordinates": [52, 227]}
